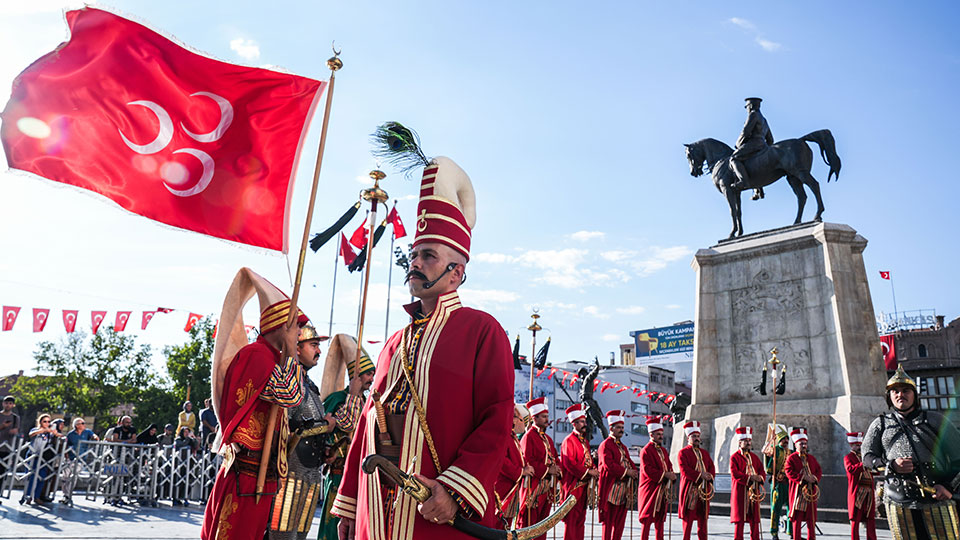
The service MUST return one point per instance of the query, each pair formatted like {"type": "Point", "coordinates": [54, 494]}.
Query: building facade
{"type": "Point", "coordinates": [932, 357]}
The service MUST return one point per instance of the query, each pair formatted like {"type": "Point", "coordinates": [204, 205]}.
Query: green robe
{"type": "Point", "coordinates": [331, 482]}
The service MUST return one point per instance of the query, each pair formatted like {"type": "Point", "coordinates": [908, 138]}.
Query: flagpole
{"type": "Point", "coordinates": [333, 295]}
{"type": "Point", "coordinates": [374, 195]}
{"type": "Point", "coordinates": [333, 64]}
{"type": "Point", "coordinates": [534, 326]}
{"type": "Point", "coordinates": [892, 292]}
{"type": "Point", "coordinates": [393, 237]}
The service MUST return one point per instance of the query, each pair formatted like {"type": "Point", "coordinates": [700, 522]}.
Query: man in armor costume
{"type": "Point", "coordinates": [696, 482]}
{"type": "Point", "coordinates": [747, 475]}
{"type": "Point", "coordinates": [861, 505]}
{"type": "Point", "coordinates": [618, 479]}
{"type": "Point", "coordinates": [579, 472]}
{"type": "Point", "coordinates": [298, 494]}
{"type": "Point", "coordinates": [804, 473]}
{"type": "Point", "coordinates": [247, 380]}
{"type": "Point", "coordinates": [919, 451]}
{"type": "Point", "coordinates": [344, 406]}
{"type": "Point", "coordinates": [775, 458]}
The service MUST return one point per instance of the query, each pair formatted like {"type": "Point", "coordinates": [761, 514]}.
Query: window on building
{"type": "Point", "coordinates": [922, 350]}
{"type": "Point", "coordinates": [641, 408]}
{"type": "Point", "coordinates": [638, 429]}
{"type": "Point", "coordinates": [563, 404]}
{"type": "Point", "coordinates": [940, 394]}
{"type": "Point", "coordinates": [654, 377]}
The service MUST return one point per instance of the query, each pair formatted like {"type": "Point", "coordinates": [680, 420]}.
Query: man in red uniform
{"type": "Point", "coordinates": [579, 472]}
{"type": "Point", "coordinates": [747, 473]}
{"type": "Point", "coordinates": [656, 481]}
{"type": "Point", "coordinates": [540, 453]}
{"type": "Point", "coordinates": [618, 478]}
{"type": "Point", "coordinates": [247, 380]}
{"type": "Point", "coordinates": [446, 387]}
{"type": "Point", "coordinates": [696, 479]}
{"type": "Point", "coordinates": [860, 502]}
{"type": "Point", "coordinates": [512, 472]}
{"type": "Point", "coordinates": [804, 474]}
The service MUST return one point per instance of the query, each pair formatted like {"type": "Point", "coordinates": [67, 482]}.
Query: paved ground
{"type": "Point", "coordinates": [89, 519]}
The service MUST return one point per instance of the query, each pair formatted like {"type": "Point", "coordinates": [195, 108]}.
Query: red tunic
{"type": "Point", "coordinates": [508, 481]}
{"type": "Point", "coordinates": [575, 461]}
{"type": "Point", "coordinates": [539, 452]}
{"type": "Point", "coordinates": [464, 376]}
{"type": "Point", "coordinates": [689, 475]}
{"type": "Point", "coordinates": [860, 479]}
{"type": "Point", "coordinates": [651, 495]}
{"type": "Point", "coordinates": [614, 462]}
{"type": "Point", "coordinates": [243, 412]}
{"type": "Point", "coordinates": [794, 471]}
{"type": "Point", "coordinates": [741, 509]}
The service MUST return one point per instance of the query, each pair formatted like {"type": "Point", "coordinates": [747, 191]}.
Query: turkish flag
{"type": "Point", "coordinates": [885, 274]}
{"type": "Point", "coordinates": [70, 320]}
{"type": "Point", "coordinates": [889, 349]}
{"type": "Point", "coordinates": [40, 316]}
{"type": "Point", "coordinates": [9, 317]}
{"type": "Point", "coordinates": [359, 236]}
{"type": "Point", "coordinates": [145, 319]}
{"type": "Point", "coordinates": [121, 322]}
{"type": "Point", "coordinates": [346, 251]}
{"type": "Point", "coordinates": [165, 310]}
{"type": "Point", "coordinates": [163, 132]}
{"type": "Point", "coordinates": [193, 319]}
{"type": "Point", "coordinates": [96, 317]}
{"type": "Point", "coordinates": [394, 218]}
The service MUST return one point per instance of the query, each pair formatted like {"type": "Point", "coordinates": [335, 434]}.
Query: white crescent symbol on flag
{"type": "Point", "coordinates": [149, 316]}
{"type": "Point", "coordinates": [164, 136]}
{"type": "Point", "coordinates": [71, 317]}
{"type": "Point", "coordinates": [226, 118]}
{"type": "Point", "coordinates": [41, 316]}
{"type": "Point", "coordinates": [885, 347]}
{"type": "Point", "coordinates": [123, 318]}
{"type": "Point", "coordinates": [193, 320]}
{"type": "Point", "coordinates": [205, 178]}
{"type": "Point", "coordinates": [97, 318]}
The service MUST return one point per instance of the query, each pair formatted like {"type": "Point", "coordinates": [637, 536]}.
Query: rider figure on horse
{"type": "Point", "coordinates": [754, 138]}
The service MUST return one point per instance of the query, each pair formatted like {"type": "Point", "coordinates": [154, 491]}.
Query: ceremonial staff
{"type": "Point", "coordinates": [774, 361]}
{"type": "Point", "coordinates": [334, 64]}
{"type": "Point", "coordinates": [375, 195]}
{"type": "Point", "coordinates": [534, 327]}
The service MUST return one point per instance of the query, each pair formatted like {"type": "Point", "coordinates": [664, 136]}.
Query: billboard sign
{"type": "Point", "coordinates": [663, 341]}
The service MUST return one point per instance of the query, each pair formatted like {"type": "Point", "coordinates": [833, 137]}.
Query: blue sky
{"type": "Point", "coordinates": [570, 121]}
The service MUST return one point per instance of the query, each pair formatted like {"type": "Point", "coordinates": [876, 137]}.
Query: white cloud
{"type": "Point", "coordinates": [583, 236]}
{"type": "Point", "coordinates": [493, 258]}
{"type": "Point", "coordinates": [769, 46]}
{"type": "Point", "coordinates": [245, 48]}
{"type": "Point", "coordinates": [549, 305]}
{"type": "Point", "coordinates": [631, 310]}
{"type": "Point", "coordinates": [612, 337]}
{"type": "Point", "coordinates": [487, 298]}
{"type": "Point", "coordinates": [673, 306]}
{"type": "Point", "coordinates": [742, 23]}
{"type": "Point", "coordinates": [594, 311]}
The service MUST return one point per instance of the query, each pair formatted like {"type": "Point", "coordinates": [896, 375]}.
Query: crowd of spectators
{"type": "Point", "coordinates": [49, 438]}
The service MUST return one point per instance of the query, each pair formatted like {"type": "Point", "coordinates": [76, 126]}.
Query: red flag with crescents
{"type": "Point", "coordinates": [193, 319]}
{"type": "Point", "coordinates": [40, 316]}
{"type": "Point", "coordinates": [145, 319]}
{"type": "Point", "coordinates": [121, 322]}
{"type": "Point", "coordinates": [162, 131]}
{"type": "Point", "coordinates": [359, 237]}
{"type": "Point", "coordinates": [10, 317]}
{"type": "Point", "coordinates": [889, 348]}
{"type": "Point", "coordinates": [885, 274]}
{"type": "Point", "coordinates": [96, 317]}
{"type": "Point", "coordinates": [70, 320]}
{"type": "Point", "coordinates": [394, 218]}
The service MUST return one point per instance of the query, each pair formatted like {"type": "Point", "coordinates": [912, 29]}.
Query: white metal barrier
{"type": "Point", "coordinates": [113, 471]}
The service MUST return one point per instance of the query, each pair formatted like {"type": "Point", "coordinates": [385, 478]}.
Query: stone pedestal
{"type": "Point", "coordinates": [802, 289]}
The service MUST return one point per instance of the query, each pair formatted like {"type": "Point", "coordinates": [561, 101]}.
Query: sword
{"type": "Point", "coordinates": [413, 487]}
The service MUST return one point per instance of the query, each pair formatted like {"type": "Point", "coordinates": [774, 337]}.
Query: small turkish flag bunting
{"type": "Point", "coordinates": [121, 323]}
{"type": "Point", "coordinates": [145, 320]}
{"type": "Point", "coordinates": [9, 317]}
{"type": "Point", "coordinates": [40, 318]}
{"type": "Point", "coordinates": [193, 319]}
{"type": "Point", "coordinates": [70, 320]}
{"type": "Point", "coordinates": [96, 317]}
{"type": "Point", "coordinates": [165, 310]}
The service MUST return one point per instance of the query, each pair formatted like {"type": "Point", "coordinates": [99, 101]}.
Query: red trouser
{"type": "Point", "coordinates": [870, 524]}
{"type": "Point", "coordinates": [573, 521]}
{"type": "Point", "coordinates": [807, 518]}
{"type": "Point", "coordinates": [701, 527]}
{"type": "Point", "coordinates": [529, 516]}
{"type": "Point", "coordinates": [613, 525]}
{"type": "Point", "coordinates": [657, 523]}
{"type": "Point", "coordinates": [754, 530]}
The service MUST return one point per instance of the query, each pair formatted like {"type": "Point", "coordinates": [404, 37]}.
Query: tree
{"type": "Point", "coordinates": [79, 378]}
{"type": "Point", "coordinates": [189, 365]}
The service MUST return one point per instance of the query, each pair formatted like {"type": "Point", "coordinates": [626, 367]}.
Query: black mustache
{"type": "Point", "coordinates": [413, 274]}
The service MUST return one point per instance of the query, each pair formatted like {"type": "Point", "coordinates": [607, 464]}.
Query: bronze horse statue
{"type": "Point", "coordinates": [791, 158]}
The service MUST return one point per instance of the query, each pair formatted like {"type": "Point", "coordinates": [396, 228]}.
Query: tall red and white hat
{"type": "Point", "coordinates": [743, 432]}
{"type": "Point", "coordinates": [653, 424]}
{"type": "Point", "coordinates": [537, 406]}
{"type": "Point", "coordinates": [575, 412]}
{"type": "Point", "coordinates": [447, 210]}
{"type": "Point", "coordinates": [616, 416]}
{"type": "Point", "coordinates": [798, 434]}
{"type": "Point", "coordinates": [691, 426]}
{"type": "Point", "coordinates": [855, 437]}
